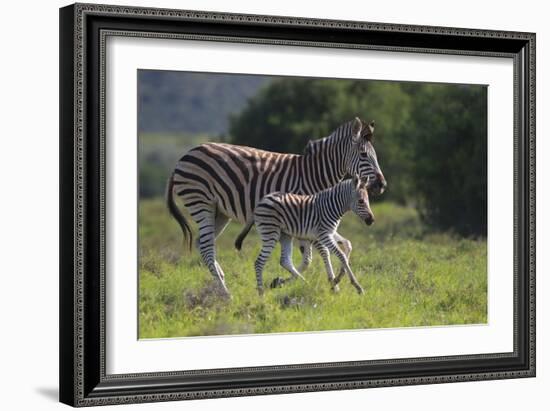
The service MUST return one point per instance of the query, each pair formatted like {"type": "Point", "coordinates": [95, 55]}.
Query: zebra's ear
{"type": "Point", "coordinates": [356, 129]}
{"type": "Point", "coordinates": [309, 147]}
{"type": "Point", "coordinates": [369, 130]}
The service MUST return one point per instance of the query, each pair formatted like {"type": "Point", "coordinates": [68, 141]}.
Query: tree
{"type": "Point", "coordinates": [449, 135]}
{"type": "Point", "coordinates": [287, 113]}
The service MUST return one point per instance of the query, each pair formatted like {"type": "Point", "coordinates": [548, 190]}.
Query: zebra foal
{"type": "Point", "coordinates": [280, 217]}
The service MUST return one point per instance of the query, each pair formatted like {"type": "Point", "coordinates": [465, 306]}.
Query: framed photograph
{"type": "Point", "coordinates": [261, 204]}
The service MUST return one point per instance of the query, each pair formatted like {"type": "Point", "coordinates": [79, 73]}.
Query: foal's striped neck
{"type": "Point", "coordinates": [337, 199]}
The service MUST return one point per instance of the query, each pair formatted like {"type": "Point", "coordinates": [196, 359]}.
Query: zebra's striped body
{"type": "Point", "coordinates": [279, 217]}
{"type": "Point", "coordinates": [218, 182]}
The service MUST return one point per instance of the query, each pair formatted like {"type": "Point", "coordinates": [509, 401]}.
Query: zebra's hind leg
{"type": "Point", "coordinates": [325, 255]}
{"type": "Point", "coordinates": [206, 220]}
{"type": "Point", "coordinates": [286, 258]}
{"type": "Point", "coordinates": [307, 255]}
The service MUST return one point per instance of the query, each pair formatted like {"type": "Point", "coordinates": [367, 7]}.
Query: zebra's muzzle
{"type": "Point", "coordinates": [380, 185]}
{"type": "Point", "coordinates": [369, 220]}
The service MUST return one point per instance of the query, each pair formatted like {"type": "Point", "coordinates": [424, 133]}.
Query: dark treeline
{"type": "Point", "coordinates": [431, 139]}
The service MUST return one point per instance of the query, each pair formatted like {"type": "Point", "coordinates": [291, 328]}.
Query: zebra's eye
{"type": "Point", "coordinates": [361, 202]}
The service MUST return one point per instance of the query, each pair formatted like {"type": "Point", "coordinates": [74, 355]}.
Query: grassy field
{"type": "Point", "coordinates": [411, 277]}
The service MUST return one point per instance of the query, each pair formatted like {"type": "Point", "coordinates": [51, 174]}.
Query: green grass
{"type": "Point", "coordinates": [411, 277]}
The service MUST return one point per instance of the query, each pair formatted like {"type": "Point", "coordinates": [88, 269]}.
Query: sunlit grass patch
{"type": "Point", "coordinates": [411, 278]}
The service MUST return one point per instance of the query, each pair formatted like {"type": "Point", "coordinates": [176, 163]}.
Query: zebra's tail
{"type": "Point", "coordinates": [176, 213]}
{"type": "Point", "coordinates": [243, 234]}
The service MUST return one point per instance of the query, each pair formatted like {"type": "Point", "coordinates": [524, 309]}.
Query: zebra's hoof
{"type": "Point", "coordinates": [289, 302]}
{"type": "Point", "coordinates": [336, 288]}
{"type": "Point", "coordinates": [277, 282]}
{"type": "Point", "coordinates": [360, 291]}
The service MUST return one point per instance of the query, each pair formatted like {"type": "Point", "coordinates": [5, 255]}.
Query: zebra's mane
{"type": "Point", "coordinates": [343, 186]}
{"type": "Point", "coordinates": [312, 146]}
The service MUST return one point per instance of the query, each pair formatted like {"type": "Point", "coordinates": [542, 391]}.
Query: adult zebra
{"type": "Point", "coordinates": [218, 182]}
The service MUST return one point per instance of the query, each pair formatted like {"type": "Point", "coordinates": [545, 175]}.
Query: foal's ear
{"type": "Point", "coordinates": [365, 182]}
{"type": "Point", "coordinates": [357, 181]}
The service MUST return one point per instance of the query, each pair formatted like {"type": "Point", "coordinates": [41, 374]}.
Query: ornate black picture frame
{"type": "Point", "coordinates": [83, 30]}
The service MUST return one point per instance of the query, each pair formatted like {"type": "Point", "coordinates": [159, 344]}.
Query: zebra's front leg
{"type": "Point", "coordinates": [346, 248]}
{"type": "Point", "coordinates": [286, 258]}
{"type": "Point", "coordinates": [206, 246]}
{"type": "Point", "coordinates": [307, 255]}
{"type": "Point", "coordinates": [333, 247]}
{"type": "Point", "coordinates": [325, 255]}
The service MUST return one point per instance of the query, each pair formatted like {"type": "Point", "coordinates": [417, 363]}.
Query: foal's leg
{"type": "Point", "coordinates": [286, 257]}
{"type": "Point", "coordinates": [325, 255]}
{"type": "Point", "coordinates": [333, 247]}
{"type": "Point", "coordinates": [269, 238]}
{"type": "Point", "coordinates": [346, 246]}
{"type": "Point", "coordinates": [307, 255]}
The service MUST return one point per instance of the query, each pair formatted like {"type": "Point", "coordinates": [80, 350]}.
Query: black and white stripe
{"type": "Point", "coordinates": [218, 182]}
{"type": "Point", "coordinates": [280, 217]}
